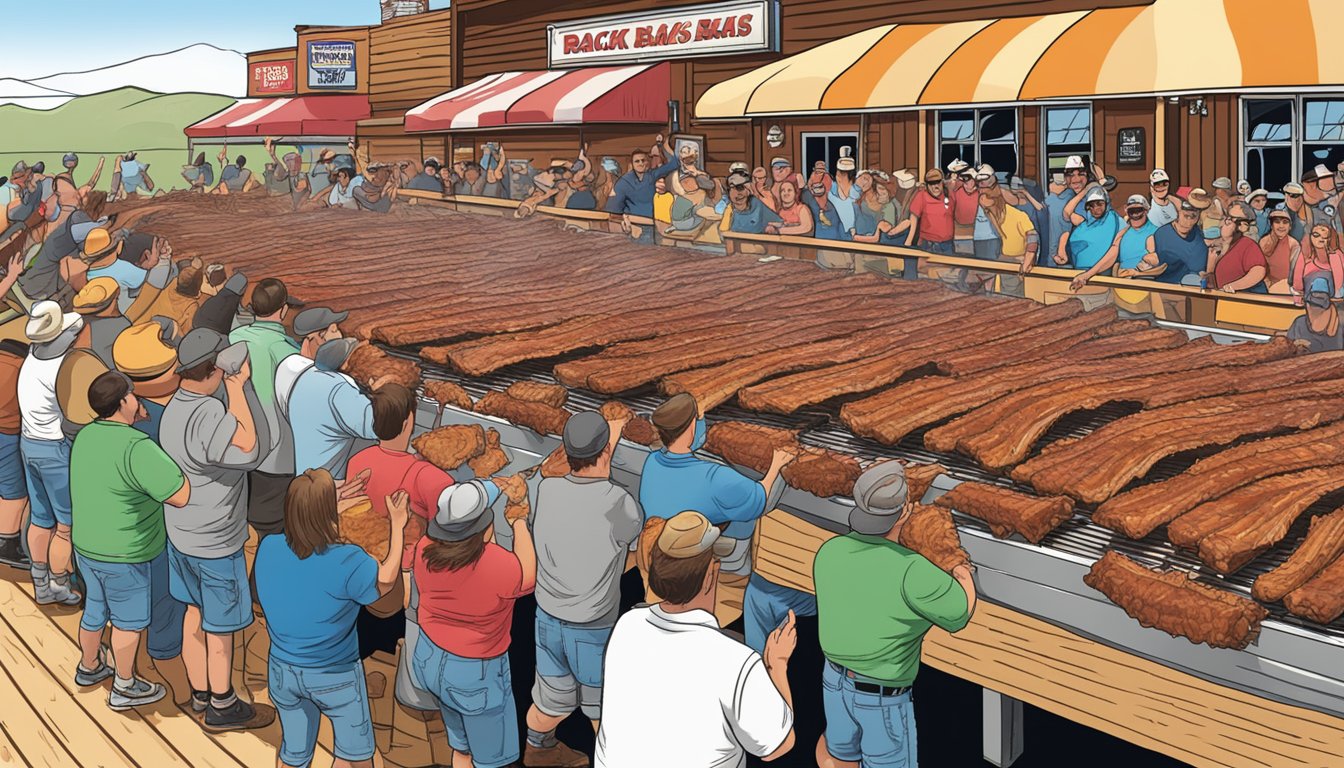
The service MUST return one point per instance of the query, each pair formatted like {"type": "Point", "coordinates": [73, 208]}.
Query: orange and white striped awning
{"type": "Point", "coordinates": [1168, 47]}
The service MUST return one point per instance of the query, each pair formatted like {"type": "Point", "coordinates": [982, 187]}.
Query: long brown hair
{"type": "Point", "coordinates": [1331, 244]}
{"type": "Point", "coordinates": [311, 521]}
{"type": "Point", "coordinates": [453, 555]}
{"type": "Point", "coordinates": [995, 211]}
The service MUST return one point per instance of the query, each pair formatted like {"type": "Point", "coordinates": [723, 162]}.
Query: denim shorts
{"type": "Point", "coordinates": [569, 667]}
{"type": "Point", "coordinates": [476, 701]}
{"type": "Point", "coordinates": [878, 731]}
{"type": "Point", "coordinates": [301, 696]}
{"type": "Point", "coordinates": [13, 486]}
{"type": "Point", "coordinates": [46, 465]}
{"type": "Point", "coordinates": [218, 587]}
{"type": "Point", "coordinates": [133, 596]}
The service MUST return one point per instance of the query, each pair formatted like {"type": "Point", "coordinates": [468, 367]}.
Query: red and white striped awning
{"type": "Point", "coordinates": [293, 116]}
{"type": "Point", "coordinates": [633, 94]}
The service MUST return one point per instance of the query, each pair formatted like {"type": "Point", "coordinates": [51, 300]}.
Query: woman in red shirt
{"type": "Point", "coordinates": [467, 586]}
{"type": "Point", "coordinates": [797, 217]}
{"type": "Point", "coordinates": [1281, 251]}
{"type": "Point", "coordinates": [1320, 252]}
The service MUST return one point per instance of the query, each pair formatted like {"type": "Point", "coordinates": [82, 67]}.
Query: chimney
{"type": "Point", "coordinates": [394, 8]}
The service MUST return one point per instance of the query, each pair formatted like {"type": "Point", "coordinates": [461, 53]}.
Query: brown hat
{"type": "Point", "coordinates": [688, 534]}
{"type": "Point", "coordinates": [933, 175]}
{"type": "Point", "coordinates": [97, 295]}
{"type": "Point", "coordinates": [1199, 199]}
{"type": "Point", "coordinates": [673, 417]}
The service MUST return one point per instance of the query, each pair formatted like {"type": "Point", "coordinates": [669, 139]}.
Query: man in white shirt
{"type": "Point", "coordinates": [1163, 209]}
{"type": "Point", "coordinates": [314, 327]}
{"type": "Point", "coordinates": [677, 691]}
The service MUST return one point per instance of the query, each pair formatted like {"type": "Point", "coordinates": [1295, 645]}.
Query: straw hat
{"type": "Point", "coordinates": [97, 295]}
{"type": "Point", "coordinates": [46, 322]}
{"type": "Point", "coordinates": [146, 353]}
{"type": "Point", "coordinates": [1199, 199]}
{"type": "Point", "coordinates": [99, 244]}
{"type": "Point", "coordinates": [78, 370]}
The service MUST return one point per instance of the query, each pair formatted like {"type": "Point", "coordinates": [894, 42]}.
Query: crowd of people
{"type": "Point", "coordinates": [177, 465]}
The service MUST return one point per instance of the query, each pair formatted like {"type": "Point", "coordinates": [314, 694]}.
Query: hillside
{"type": "Point", "coordinates": [115, 121]}
{"type": "Point", "coordinates": [200, 68]}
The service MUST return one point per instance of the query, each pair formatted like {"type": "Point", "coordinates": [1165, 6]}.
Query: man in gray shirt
{"type": "Point", "coordinates": [583, 525]}
{"type": "Point", "coordinates": [215, 443]}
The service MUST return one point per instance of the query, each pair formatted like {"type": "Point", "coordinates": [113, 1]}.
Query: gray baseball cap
{"type": "Point", "coordinates": [463, 511]}
{"type": "Point", "coordinates": [586, 434]}
{"type": "Point", "coordinates": [316, 319]}
{"type": "Point", "coordinates": [199, 346]}
{"type": "Point", "coordinates": [332, 355]}
{"type": "Point", "coordinates": [880, 494]}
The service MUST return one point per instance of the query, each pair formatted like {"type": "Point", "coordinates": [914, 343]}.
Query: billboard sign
{"type": "Point", "coordinates": [718, 29]}
{"type": "Point", "coordinates": [331, 64]}
{"type": "Point", "coordinates": [271, 77]}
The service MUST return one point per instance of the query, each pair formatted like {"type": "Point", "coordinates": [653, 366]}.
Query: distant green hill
{"type": "Point", "coordinates": [112, 123]}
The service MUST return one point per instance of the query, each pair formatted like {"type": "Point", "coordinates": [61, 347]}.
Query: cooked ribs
{"type": "Point", "coordinates": [369, 364]}
{"type": "Point", "coordinates": [1229, 532]}
{"type": "Point", "coordinates": [1175, 604]}
{"type": "Point", "coordinates": [1125, 449]}
{"type": "Point", "coordinates": [748, 445]}
{"type": "Point", "coordinates": [450, 447]}
{"type": "Point", "coordinates": [553, 395]}
{"type": "Point", "coordinates": [1323, 544]}
{"type": "Point", "coordinates": [492, 459]}
{"type": "Point", "coordinates": [1322, 598]}
{"type": "Point", "coordinates": [919, 478]}
{"type": "Point", "coordinates": [931, 532]}
{"type": "Point", "coordinates": [637, 428]}
{"type": "Point", "coordinates": [541, 418]}
{"type": "Point", "coordinates": [362, 526]}
{"type": "Point", "coordinates": [447, 393]}
{"type": "Point", "coordinates": [822, 472]}
{"type": "Point", "coordinates": [556, 464]}
{"type": "Point", "coordinates": [1008, 511]}
{"type": "Point", "coordinates": [1139, 512]}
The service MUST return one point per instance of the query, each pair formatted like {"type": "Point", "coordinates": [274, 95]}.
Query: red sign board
{"type": "Point", "coordinates": [272, 77]}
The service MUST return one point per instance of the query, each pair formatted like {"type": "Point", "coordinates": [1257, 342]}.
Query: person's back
{"type": "Point", "coordinates": [311, 603]}
{"type": "Point", "coordinates": [583, 528]}
{"type": "Point", "coordinates": [328, 414]}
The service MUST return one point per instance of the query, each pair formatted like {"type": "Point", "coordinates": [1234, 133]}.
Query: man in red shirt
{"type": "Point", "coordinates": [965, 204]}
{"type": "Point", "coordinates": [1242, 267]}
{"type": "Point", "coordinates": [932, 215]}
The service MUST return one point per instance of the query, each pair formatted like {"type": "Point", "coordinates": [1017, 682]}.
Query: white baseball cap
{"type": "Point", "coordinates": [1158, 175]}
{"type": "Point", "coordinates": [1136, 201]}
{"type": "Point", "coordinates": [957, 166]}
{"type": "Point", "coordinates": [1074, 161]}
{"type": "Point", "coordinates": [985, 171]}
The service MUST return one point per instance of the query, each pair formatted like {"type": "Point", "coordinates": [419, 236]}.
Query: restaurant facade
{"type": "Point", "coordinates": [909, 84]}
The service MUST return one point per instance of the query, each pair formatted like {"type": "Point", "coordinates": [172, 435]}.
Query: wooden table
{"type": "Point", "coordinates": [1017, 658]}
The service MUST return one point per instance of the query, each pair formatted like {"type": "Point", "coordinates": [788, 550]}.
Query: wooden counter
{"type": "Point", "coordinates": [1140, 701]}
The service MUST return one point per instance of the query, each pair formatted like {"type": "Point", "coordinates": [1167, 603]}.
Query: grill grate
{"type": "Point", "coordinates": [1078, 536]}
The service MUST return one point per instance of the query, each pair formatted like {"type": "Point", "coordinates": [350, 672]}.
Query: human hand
{"type": "Point", "coordinates": [1061, 258]}
{"type": "Point", "coordinates": [1026, 267]}
{"type": "Point", "coordinates": [514, 487]}
{"type": "Point", "coordinates": [1302, 344]}
{"type": "Point", "coordinates": [399, 509]}
{"type": "Point", "coordinates": [782, 455]}
{"type": "Point", "coordinates": [15, 264]}
{"type": "Point", "coordinates": [1077, 283]}
{"type": "Point", "coordinates": [353, 487]}
{"type": "Point", "coordinates": [378, 383]}
{"type": "Point", "coordinates": [237, 380]}
{"type": "Point", "coordinates": [617, 425]}
{"type": "Point", "coordinates": [781, 642]}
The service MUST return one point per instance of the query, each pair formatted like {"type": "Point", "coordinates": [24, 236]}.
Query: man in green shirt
{"type": "Point", "coordinates": [875, 602]}
{"type": "Point", "coordinates": [120, 480]}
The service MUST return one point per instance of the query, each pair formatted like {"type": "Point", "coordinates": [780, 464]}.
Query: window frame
{"type": "Point", "coordinates": [1297, 144]}
{"type": "Point", "coordinates": [803, 136]}
{"type": "Point", "coordinates": [1044, 130]}
{"type": "Point", "coordinates": [975, 140]}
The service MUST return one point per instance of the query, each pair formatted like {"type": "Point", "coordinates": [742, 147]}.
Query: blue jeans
{"type": "Point", "coordinates": [218, 587]}
{"type": "Point", "coordinates": [878, 731]}
{"type": "Point", "coordinates": [13, 485]}
{"type": "Point", "coordinates": [569, 667]}
{"type": "Point", "coordinates": [944, 247]}
{"type": "Point", "coordinates": [46, 463]}
{"type": "Point", "coordinates": [766, 604]}
{"type": "Point", "coordinates": [476, 701]}
{"type": "Point", "coordinates": [133, 596]}
{"type": "Point", "coordinates": [301, 696]}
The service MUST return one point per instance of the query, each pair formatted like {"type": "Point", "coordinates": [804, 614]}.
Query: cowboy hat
{"type": "Point", "coordinates": [97, 295]}
{"type": "Point", "coordinates": [147, 354]}
{"type": "Point", "coordinates": [46, 322]}
{"type": "Point", "coordinates": [1199, 199]}
{"type": "Point", "coordinates": [99, 244]}
{"type": "Point", "coordinates": [78, 370]}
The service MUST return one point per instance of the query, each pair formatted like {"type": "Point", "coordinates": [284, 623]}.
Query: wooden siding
{"type": "Point", "coordinates": [358, 35]}
{"type": "Point", "coordinates": [1108, 117]}
{"type": "Point", "coordinates": [1207, 144]}
{"type": "Point", "coordinates": [410, 61]}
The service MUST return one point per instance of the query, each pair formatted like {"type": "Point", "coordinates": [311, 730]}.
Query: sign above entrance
{"type": "Point", "coordinates": [272, 77]}
{"type": "Point", "coordinates": [717, 29]}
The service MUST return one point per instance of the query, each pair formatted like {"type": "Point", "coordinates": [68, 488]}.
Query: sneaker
{"type": "Point", "coordinates": [558, 756]}
{"type": "Point", "coordinates": [240, 716]}
{"type": "Point", "coordinates": [200, 701]}
{"type": "Point", "coordinates": [51, 593]}
{"type": "Point", "coordinates": [85, 678]}
{"type": "Point", "coordinates": [139, 693]}
{"type": "Point", "coordinates": [11, 554]}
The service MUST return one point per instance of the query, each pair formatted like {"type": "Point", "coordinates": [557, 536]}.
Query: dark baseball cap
{"type": "Point", "coordinates": [199, 346]}
{"type": "Point", "coordinates": [269, 296]}
{"type": "Point", "coordinates": [316, 319]}
{"type": "Point", "coordinates": [333, 354]}
{"type": "Point", "coordinates": [586, 435]}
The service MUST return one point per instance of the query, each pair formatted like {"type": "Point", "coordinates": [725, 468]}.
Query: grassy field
{"type": "Point", "coordinates": [112, 123]}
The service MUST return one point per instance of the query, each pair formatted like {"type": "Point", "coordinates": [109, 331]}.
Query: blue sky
{"type": "Point", "coordinates": [70, 35]}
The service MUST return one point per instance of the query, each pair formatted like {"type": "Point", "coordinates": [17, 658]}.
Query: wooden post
{"type": "Point", "coordinates": [923, 145]}
{"type": "Point", "coordinates": [1160, 134]}
{"type": "Point", "coordinates": [1002, 728]}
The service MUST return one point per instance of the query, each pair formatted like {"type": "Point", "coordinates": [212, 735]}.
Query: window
{"type": "Point", "coordinates": [826, 147]}
{"type": "Point", "coordinates": [1284, 137]}
{"type": "Point", "coordinates": [979, 136]}
{"type": "Point", "coordinates": [1068, 131]}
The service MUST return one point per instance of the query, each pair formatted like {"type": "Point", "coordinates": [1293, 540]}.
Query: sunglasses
{"type": "Point", "coordinates": [737, 186]}
{"type": "Point", "coordinates": [1294, 197]}
{"type": "Point", "coordinates": [1075, 172]}
{"type": "Point", "coordinates": [1161, 184]}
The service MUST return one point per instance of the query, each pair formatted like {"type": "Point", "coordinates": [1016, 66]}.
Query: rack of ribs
{"type": "Point", "coordinates": [492, 459]}
{"type": "Point", "coordinates": [1321, 599]}
{"type": "Point", "coordinates": [1323, 544]}
{"type": "Point", "coordinates": [919, 478]}
{"type": "Point", "coordinates": [369, 364]}
{"type": "Point", "coordinates": [1172, 602]}
{"type": "Point", "coordinates": [748, 445]}
{"type": "Point", "coordinates": [931, 532]}
{"type": "Point", "coordinates": [542, 418]}
{"type": "Point", "coordinates": [450, 447]}
{"type": "Point", "coordinates": [446, 393]}
{"type": "Point", "coordinates": [1139, 512]}
{"type": "Point", "coordinates": [637, 428]}
{"type": "Point", "coordinates": [1127, 448]}
{"type": "Point", "coordinates": [556, 464]}
{"type": "Point", "coordinates": [553, 395]}
{"type": "Point", "coordinates": [1007, 511]}
{"type": "Point", "coordinates": [822, 472]}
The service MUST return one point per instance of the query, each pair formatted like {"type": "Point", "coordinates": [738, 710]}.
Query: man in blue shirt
{"type": "Point", "coordinates": [1075, 179]}
{"type": "Point", "coordinates": [824, 215]}
{"type": "Point", "coordinates": [675, 480]}
{"type": "Point", "coordinates": [633, 192]}
{"type": "Point", "coordinates": [746, 213]}
{"type": "Point", "coordinates": [329, 415]}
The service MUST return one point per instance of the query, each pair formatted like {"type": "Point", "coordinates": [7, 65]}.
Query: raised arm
{"type": "Point", "coordinates": [587, 168]}
{"type": "Point", "coordinates": [1107, 261]}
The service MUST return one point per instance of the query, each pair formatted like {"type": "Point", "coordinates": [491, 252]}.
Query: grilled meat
{"type": "Point", "coordinates": [447, 393]}
{"type": "Point", "coordinates": [931, 532]}
{"type": "Point", "coordinates": [553, 395]}
{"type": "Point", "coordinates": [1008, 511]}
{"type": "Point", "coordinates": [450, 447]}
{"type": "Point", "coordinates": [542, 418]}
{"type": "Point", "coordinates": [369, 364]}
{"type": "Point", "coordinates": [1323, 544]}
{"type": "Point", "coordinates": [492, 459]}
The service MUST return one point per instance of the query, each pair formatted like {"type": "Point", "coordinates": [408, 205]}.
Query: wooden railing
{"type": "Point", "coordinates": [1048, 285]}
